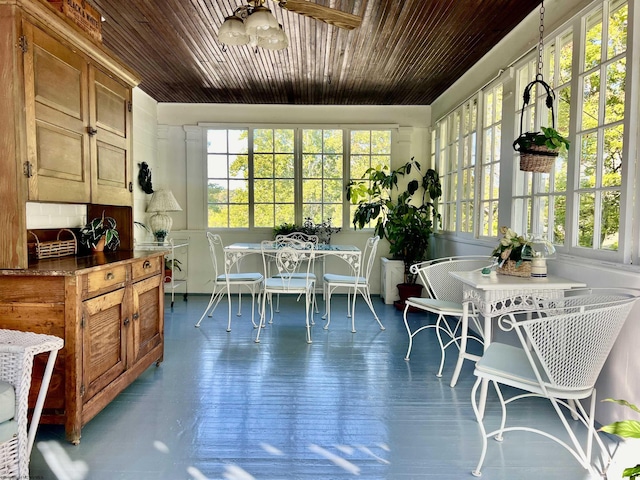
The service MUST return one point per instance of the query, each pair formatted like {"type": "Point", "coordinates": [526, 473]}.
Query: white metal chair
{"type": "Point", "coordinates": [562, 349]}
{"type": "Point", "coordinates": [295, 239]}
{"type": "Point", "coordinates": [356, 283]}
{"type": "Point", "coordinates": [446, 301]}
{"type": "Point", "coordinates": [290, 262]}
{"type": "Point", "coordinates": [17, 352]}
{"type": "Point", "coordinates": [232, 277]}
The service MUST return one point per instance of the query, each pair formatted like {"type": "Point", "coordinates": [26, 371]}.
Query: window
{"type": "Point", "coordinates": [368, 149]}
{"type": "Point", "coordinates": [457, 167]}
{"type": "Point", "coordinates": [322, 174]}
{"type": "Point", "coordinates": [600, 130]}
{"type": "Point", "coordinates": [228, 178]}
{"type": "Point", "coordinates": [263, 177]}
{"type": "Point", "coordinates": [490, 163]}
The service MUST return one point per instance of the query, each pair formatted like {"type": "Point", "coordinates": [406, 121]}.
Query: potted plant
{"type": "Point", "coordinates": [625, 429]}
{"type": "Point", "coordinates": [169, 265]}
{"type": "Point", "coordinates": [100, 233]}
{"type": "Point", "coordinates": [508, 254]}
{"type": "Point", "coordinates": [407, 219]}
{"type": "Point", "coordinates": [322, 230]}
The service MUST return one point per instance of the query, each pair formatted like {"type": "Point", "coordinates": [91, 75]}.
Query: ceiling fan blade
{"type": "Point", "coordinates": [324, 14]}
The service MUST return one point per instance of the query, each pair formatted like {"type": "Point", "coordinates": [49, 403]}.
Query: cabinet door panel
{"type": "Point", "coordinates": [56, 100]}
{"type": "Point", "coordinates": [147, 316]}
{"type": "Point", "coordinates": [103, 341]}
{"type": "Point", "coordinates": [110, 146]}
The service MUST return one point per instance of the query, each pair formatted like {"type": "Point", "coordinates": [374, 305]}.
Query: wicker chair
{"type": "Point", "coordinates": [562, 348]}
{"type": "Point", "coordinates": [17, 351]}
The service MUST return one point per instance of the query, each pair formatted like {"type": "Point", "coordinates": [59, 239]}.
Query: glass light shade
{"type": "Point", "coordinates": [275, 39]}
{"type": "Point", "coordinates": [260, 21]}
{"type": "Point", "coordinates": [538, 247]}
{"type": "Point", "coordinates": [233, 32]}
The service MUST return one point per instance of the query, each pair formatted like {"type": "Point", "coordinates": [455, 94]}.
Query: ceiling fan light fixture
{"type": "Point", "coordinates": [233, 32]}
{"type": "Point", "coordinates": [260, 21]}
{"type": "Point", "coordinates": [276, 40]}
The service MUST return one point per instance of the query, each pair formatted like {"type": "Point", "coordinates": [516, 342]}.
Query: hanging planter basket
{"type": "Point", "coordinates": [535, 158]}
{"type": "Point", "coordinates": [538, 159]}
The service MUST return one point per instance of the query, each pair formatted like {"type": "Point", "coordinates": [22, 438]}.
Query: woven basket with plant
{"type": "Point", "coordinates": [508, 254]}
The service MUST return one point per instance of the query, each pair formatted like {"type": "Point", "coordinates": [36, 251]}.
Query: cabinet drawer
{"type": "Point", "coordinates": [146, 267]}
{"type": "Point", "coordinates": [105, 279]}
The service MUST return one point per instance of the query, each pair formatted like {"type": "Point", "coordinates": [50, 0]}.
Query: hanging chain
{"type": "Point", "coordinates": [541, 42]}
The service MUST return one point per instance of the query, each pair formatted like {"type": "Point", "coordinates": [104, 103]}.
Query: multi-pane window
{"type": "Point", "coordinates": [228, 178]}
{"type": "Point", "coordinates": [368, 149]}
{"type": "Point", "coordinates": [263, 177]}
{"type": "Point", "coordinates": [457, 167]}
{"type": "Point", "coordinates": [322, 174]}
{"type": "Point", "coordinates": [490, 160]}
{"type": "Point", "coordinates": [600, 128]}
{"type": "Point", "coordinates": [273, 174]}
{"type": "Point", "coordinates": [540, 199]}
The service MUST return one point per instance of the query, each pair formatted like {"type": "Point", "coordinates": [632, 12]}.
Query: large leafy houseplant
{"type": "Point", "coordinates": [405, 217]}
{"type": "Point", "coordinates": [549, 137]}
{"type": "Point", "coordinates": [625, 429]}
{"type": "Point", "coordinates": [93, 231]}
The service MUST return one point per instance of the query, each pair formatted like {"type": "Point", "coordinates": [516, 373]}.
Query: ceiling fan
{"type": "Point", "coordinates": [320, 12]}
{"type": "Point", "coordinates": [254, 24]}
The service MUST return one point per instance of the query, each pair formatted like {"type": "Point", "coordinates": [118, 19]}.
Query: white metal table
{"type": "Point", "coordinates": [495, 295]}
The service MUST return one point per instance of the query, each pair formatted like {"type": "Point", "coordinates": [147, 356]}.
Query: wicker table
{"type": "Point", "coordinates": [17, 351]}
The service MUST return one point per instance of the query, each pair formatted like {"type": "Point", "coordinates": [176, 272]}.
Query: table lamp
{"type": "Point", "coordinates": [160, 223]}
{"type": "Point", "coordinates": [538, 249]}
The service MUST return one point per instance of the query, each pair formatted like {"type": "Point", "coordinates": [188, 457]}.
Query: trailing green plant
{"type": "Point", "coordinates": [405, 218]}
{"type": "Point", "coordinates": [625, 429]}
{"type": "Point", "coordinates": [97, 228]}
{"type": "Point", "coordinates": [549, 137]}
{"type": "Point", "coordinates": [171, 263]}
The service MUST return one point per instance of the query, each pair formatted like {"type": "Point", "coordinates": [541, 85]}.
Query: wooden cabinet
{"type": "Point", "coordinates": [110, 311]}
{"type": "Point", "coordinates": [65, 120]}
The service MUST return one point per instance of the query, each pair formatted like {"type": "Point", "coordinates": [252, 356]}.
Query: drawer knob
{"type": "Point", "coordinates": [109, 276]}
{"type": "Point", "coordinates": [146, 265]}
{"type": "Point", "coordinates": [136, 316]}
{"type": "Point", "coordinates": [126, 321]}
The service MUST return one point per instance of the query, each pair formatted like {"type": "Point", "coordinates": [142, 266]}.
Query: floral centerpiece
{"type": "Point", "coordinates": [508, 254]}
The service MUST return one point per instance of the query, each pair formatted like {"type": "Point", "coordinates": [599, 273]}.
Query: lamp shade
{"type": "Point", "coordinates": [232, 32]}
{"type": "Point", "coordinates": [274, 39]}
{"type": "Point", "coordinates": [537, 246]}
{"type": "Point", "coordinates": [163, 201]}
{"type": "Point", "coordinates": [260, 21]}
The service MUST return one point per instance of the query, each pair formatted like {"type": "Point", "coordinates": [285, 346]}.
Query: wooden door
{"type": "Point", "coordinates": [104, 333]}
{"type": "Point", "coordinates": [110, 120]}
{"type": "Point", "coordinates": [56, 100]}
{"type": "Point", "coordinates": [147, 317]}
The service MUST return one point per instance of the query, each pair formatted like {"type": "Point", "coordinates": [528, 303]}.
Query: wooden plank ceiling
{"type": "Point", "coordinates": [404, 53]}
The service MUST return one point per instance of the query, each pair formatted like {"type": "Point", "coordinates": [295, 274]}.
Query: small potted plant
{"type": "Point", "coordinates": [100, 233]}
{"type": "Point", "coordinates": [169, 265]}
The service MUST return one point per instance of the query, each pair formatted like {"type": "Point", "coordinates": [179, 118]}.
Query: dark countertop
{"type": "Point", "coordinates": [74, 265]}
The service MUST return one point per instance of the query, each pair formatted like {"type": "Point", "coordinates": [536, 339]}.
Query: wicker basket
{"type": "Point", "coordinates": [510, 267]}
{"type": "Point", "coordinates": [537, 158]}
{"type": "Point", "coordinates": [56, 248]}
